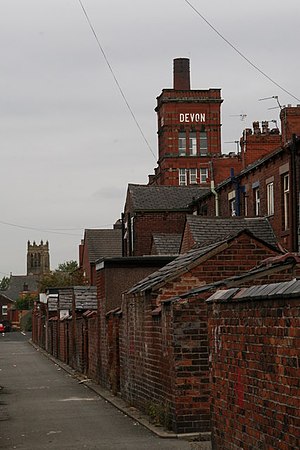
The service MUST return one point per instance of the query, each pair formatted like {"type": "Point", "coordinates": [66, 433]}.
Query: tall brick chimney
{"type": "Point", "coordinates": [181, 74]}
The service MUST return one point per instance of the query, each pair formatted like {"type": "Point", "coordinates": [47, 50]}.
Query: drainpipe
{"type": "Point", "coordinates": [294, 197]}
{"type": "Point", "coordinates": [212, 188]}
{"type": "Point", "coordinates": [123, 235]}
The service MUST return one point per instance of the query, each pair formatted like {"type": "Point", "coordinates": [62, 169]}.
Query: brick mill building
{"type": "Point", "coordinates": [189, 134]}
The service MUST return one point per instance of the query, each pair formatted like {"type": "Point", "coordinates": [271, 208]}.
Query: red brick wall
{"type": "Point", "coordinates": [112, 351]}
{"type": "Point", "coordinates": [274, 170]}
{"type": "Point", "coordinates": [187, 240]}
{"type": "Point", "coordinates": [256, 146]}
{"type": "Point", "coordinates": [93, 338]}
{"type": "Point", "coordinates": [164, 362]}
{"type": "Point", "coordinates": [145, 224]}
{"type": "Point", "coordinates": [255, 374]}
{"type": "Point", "coordinates": [86, 267]}
{"type": "Point", "coordinates": [62, 341]}
{"type": "Point", "coordinates": [190, 362]}
{"type": "Point", "coordinates": [111, 283]}
{"type": "Point", "coordinates": [242, 254]}
{"type": "Point", "coordinates": [145, 352]}
{"type": "Point", "coordinates": [78, 357]}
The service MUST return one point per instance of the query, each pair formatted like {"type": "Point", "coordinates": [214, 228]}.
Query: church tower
{"type": "Point", "coordinates": [38, 259]}
{"type": "Point", "coordinates": [189, 130]}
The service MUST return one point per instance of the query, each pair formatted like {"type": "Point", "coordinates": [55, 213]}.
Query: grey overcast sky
{"type": "Point", "coordinates": [69, 146]}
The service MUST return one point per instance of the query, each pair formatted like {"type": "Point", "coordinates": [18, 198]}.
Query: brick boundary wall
{"type": "Point", "coordinates": [255, 373]}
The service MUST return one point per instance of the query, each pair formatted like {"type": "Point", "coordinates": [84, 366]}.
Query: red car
{"type": "Point", "coordinates": [2, 328]}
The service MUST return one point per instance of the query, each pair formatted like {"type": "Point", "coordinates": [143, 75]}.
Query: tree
{"type": "Point", "coordinates": [4, 283]}
{"type": "Point", "coordinates": [68, 266]}
{"type": "Point", "coordinates": [66, 274]}
{"type": "Point", "coordinates": [26, 301]}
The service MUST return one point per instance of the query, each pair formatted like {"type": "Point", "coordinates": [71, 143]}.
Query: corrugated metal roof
{"type": "Point", "coordinates": [285, 289]}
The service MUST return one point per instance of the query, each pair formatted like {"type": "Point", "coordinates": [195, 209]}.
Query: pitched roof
{"type": "Point", "coordinates": [272, 265]}
{"type": "Point", "coordinates": [208, 229]}
{"type": "Point", "coordinates": [103, 243]}
{"type": "Point", "coordinates": [20, 283]}
{"type": "Point", "coordinates": [176, 267]}
{"type": "Point", "coordinates": [163, 198]}
{"type": "Point", "coordinates": [166, 244]}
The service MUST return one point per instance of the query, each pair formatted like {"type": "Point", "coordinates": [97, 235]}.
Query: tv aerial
{"type": "Point", "coordinates": [269, 98]}
{"type": "Point", "coordinates": [236, 143]}
{"type": "Point", "coordinates": [241, 116]}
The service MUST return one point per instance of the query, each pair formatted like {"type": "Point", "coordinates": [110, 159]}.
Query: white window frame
{"type": "Point", "coordinates": [256, 201]}
{"type": "Point", "coordinates": [193, 176]}
{"type": "Point", "coordinates": [203, 174]}
{"type": "Point", "coordinates": [270, 198]}
{"type": "Point", "coordinates": [4, 310]}
{"type": "Point", "coordinates": [286, 195]}
{"type": "Point", "coordinates": [182, 143]}
{"type": "Point", "coordinates": [182, 177]}
{"type": "Point", "coordinates": [193, 143]}
{"type": "Point", "coordinates": [203, 143]}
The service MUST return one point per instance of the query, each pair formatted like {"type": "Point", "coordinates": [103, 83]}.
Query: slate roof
{"type": "Point", "coordinates": [166, 244]}
{"type": "Point", "coordinates": [103, 243]}
{"type": "Point", "coordinates": [208, 229]}
{"type": "Point", "coordinates": [163, 198]}
{"type": "Point", "coordinates": [176, 267]}
{"type": "Point", "coordinates": [17, 284]}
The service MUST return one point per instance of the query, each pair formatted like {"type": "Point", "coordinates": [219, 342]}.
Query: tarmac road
{"type": "Point", "coordinates": [44, 407]}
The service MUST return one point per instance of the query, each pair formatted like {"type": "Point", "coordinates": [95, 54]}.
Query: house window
{"type": "Point", "coordinates": [203, 175]}
{"type": "Point", "coordinates": [256, 201]}
{"type": "Point", "coordinates": [193, 144]}
{"type": "Point", "coordinates": [270, 199]}
{"type": "Point", "coordinates": [193, 176]}
{"type": "Point", "coordinates": [286, 196]}
{"type": "Point", "coordinates": [232, 203]}
{"type": "Point", "coordinates": [203, 143]}
{"type": "Point", "coordinates": [182, 177]}
{"type": "Point", "coordinates": [232, 208]}
{"type": "Point", "coordinates": [182, 144]}
{"type": "Point", "coordinates": [4, 310]}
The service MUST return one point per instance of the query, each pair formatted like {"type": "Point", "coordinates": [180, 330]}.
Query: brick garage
{"type": "Point", "coordinates": [115, 276]}
{"type": "Point", "coordinates": [163, 346]}
{"type": "Point", "coordinates": [254, 338]}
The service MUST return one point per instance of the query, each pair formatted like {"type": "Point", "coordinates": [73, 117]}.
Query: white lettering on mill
{"type": "Point", "coordinates": [192, 117]}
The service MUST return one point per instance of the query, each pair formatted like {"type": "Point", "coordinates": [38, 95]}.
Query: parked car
{"type": "Point", "coordinates": [6, 325]}
{"type": "Point", "coordinates": [2, 328]}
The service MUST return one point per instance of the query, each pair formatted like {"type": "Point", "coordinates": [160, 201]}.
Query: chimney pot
{"type": "Point", "coordinates": [181, 74]}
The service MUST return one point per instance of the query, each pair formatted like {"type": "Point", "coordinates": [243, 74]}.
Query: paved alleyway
{"type": "Point", "coordinates": [44, 407]}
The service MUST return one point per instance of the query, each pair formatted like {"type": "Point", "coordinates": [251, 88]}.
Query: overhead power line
{"type": "Point", "coordinates": [115, 78]}
{"type": "Point", "coordinates": [36, 229]}
{"type": "Point", "coordinates": [55, 230]}
{"type": "Point", "coordinates": [240, 53]}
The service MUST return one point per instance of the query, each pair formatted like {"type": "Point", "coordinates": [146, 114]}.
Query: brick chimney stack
{"type": "Point", "coordinates": [181, 80]}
